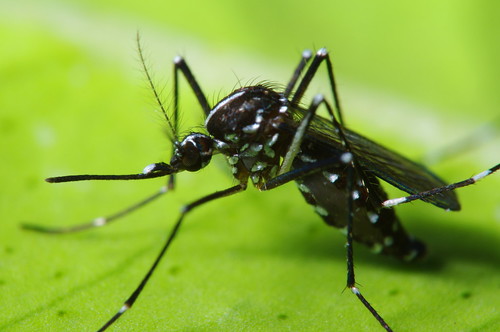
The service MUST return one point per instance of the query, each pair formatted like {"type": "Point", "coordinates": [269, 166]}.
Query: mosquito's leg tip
{"type": "Point", "coordinates": [307, 54]}
{"type": "Point", "coordinates": [322, 52]}
{"type": "Point", "coordinates": [178, 60]}
{"type": "Point", "coordinates": [318, 99]}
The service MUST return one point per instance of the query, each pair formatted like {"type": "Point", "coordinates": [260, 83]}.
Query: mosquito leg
{"type": "Point", "coordinates": [321, 55]}
{"type": "Point", "coordinates": [436, 191]}
{"type": "Point", "coordinates": [349, 159]}
{"type": "Point", "coordinates": [306, 56]}
{"type": "Point", "coordinates": [299, 135]}
{"type": "Point", "coordinates": [298, 173]}
{"type": "Point", "coordinates": [150, 171]}
{"type": "Point", "coordinates": [99, 221]}
{"type": "Point", "coordinates": [346, 158]}
{"type": "Point", "coordinates": [285, 174]}
{"type": "Point", "coordinates": [351, 280]}
{"type": "Point", "coordinates": [301, 130]}
{"type": "Point", "coordinates": [180, 64]}
{"type": "Point", "coordinates": [185, 209]}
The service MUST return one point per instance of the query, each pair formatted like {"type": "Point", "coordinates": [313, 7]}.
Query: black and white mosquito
{"type": "Point", "coordinates": [271, 138]}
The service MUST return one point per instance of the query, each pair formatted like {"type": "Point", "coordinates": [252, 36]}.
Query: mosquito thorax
{"type": "Point", "coordinates": [193, 153]}
{"type": "Point", "coordinates": [245, 128]}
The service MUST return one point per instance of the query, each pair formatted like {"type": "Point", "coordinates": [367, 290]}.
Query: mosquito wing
{"type": "Point", "coordinates": [384, 163]}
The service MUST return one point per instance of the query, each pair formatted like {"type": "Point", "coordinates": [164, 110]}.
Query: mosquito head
{"type": "Point", "coordinates": [192, 153]}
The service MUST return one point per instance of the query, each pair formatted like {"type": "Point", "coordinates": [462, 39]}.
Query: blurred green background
{"type": "Point", "coordinates": [417, 76]}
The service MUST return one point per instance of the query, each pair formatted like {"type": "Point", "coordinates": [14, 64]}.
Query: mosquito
{"type": "Point", "coordinates": [271, 138]}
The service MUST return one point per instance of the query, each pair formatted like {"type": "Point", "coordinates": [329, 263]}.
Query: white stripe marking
{"type": "Point", "coordinates": [346, 157]}
{"type": "Point", "coordinates": [481, 175]}
{"type": "Point", "coordinates": [100, 221]}
{"type": "Point", "coordinates": [393, 202]}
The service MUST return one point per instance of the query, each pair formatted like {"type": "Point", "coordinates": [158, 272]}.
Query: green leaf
{"type": "Point", "coordinates": [73, 100]}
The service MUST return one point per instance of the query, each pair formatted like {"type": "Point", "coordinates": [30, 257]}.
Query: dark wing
{"type": "Point", "coordinates": [384, 163]}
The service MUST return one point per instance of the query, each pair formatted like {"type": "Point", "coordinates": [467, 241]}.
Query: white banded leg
{"type": "Point", "coordinates": [435, 191]}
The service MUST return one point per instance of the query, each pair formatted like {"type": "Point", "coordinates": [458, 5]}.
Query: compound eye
{"type": "Point", "coordinates": [193, 153]}
{"type": "Point", "coordinates": [190, 156]}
